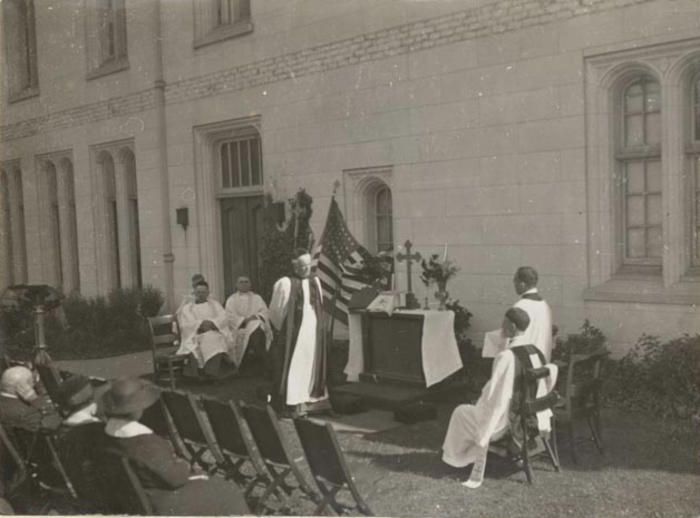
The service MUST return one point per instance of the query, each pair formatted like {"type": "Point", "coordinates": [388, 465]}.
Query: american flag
{"type": "Point", "coordinates": [338, 259]}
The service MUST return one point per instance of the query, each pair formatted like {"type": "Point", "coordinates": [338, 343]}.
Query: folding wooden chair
{"type": "Point", "coordinates": [165, 341]}
{"type": "Point", "coordinates": [158, 419]}
{"type": "Point", "coordinates": [236, 449]}
{"type": "Point", "coordinates": [580, 391]}
{"type": "Point", "coordinates": [265, 429]}
{"type": "Point", "coordinates": [524, 431]}
{"type": "Point", "coordinates": [191, 428]}
{"type": "Point", "coordinates": [328, 466]}
{"type": "Point", "coordinates": [130, 498]}
{"type": "Point", "coordinates": [12, 466]}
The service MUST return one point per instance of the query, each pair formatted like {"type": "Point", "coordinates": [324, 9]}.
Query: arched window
{"type": "Point", "coordinates": [383, 220]}
{"type": "Point", "coordinates": [14, 239]}
{"type": "Point", "coordinates": [69, 227]}
{"type": "Point", "coordinates": [639, 160]}
{"type": "Point", "coordinates": [53, 218]}
{"type": "Point", "coordinates": [5, 233]}
{"type": "Point", "coordinates": [111, 219]}
{"type": "Point", "coordinates": [132, 207]}
{"type": "Point", "coordinates": [694, 160]}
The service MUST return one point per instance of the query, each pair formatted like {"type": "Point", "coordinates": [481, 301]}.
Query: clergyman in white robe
{"type": "Point", "coordinates": [539, 332]}
{"type": "Point", "coordinates": [247, 312]}
{"type": "Point", "coordinates": [204, 344]}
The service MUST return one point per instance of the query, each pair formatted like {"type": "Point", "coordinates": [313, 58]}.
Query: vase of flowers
{"type": "Point", "coordinates": [438, 271]}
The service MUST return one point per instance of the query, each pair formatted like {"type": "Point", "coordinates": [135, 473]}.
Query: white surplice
{"type": "Point", "coordinates": [539, 332]}
{"type": "Point", "coordinates": [299, 379]}
{"type": "Point", "coordinates": [240, 306]}
{"type": "Point", "coordinates": [203, 345]}
{"type": "Point", "coordinates": [472, 427]}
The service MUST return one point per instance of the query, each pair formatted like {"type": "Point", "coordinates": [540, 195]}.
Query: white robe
{"type": "Point", "coordinates": [240, 306]}
{"type": "Point", "coordinates": [472, 427]}
{"type": "Point", "coordinates": [539, 332]}
{"type": "Point", "coordinates": [203, 345]}
{"type": "Point", "coordinates": [299, 380]}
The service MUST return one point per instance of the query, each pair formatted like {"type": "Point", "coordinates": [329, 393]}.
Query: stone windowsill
{"type": "Point", "coordinates": [27, 93]}
{"type": "Point", "coordinates": [224, 32]}
{"type": "Point", "coordinates": [645, 290]}
{"type": "Point", "coordinates": [109, 67]}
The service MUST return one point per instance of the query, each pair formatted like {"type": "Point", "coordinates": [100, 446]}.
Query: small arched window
{"type": "Point", "coordinates": [639, 160]}
{"type": "Point", "coordinates": [384, 223]}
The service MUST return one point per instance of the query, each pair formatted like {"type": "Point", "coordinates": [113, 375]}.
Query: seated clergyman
{"type": "Point", "coordinates": [205, 334]}
{"type": "Point", "coordinates": [472, 427]}
{"type": "Point", "coordinates": [250, 327]}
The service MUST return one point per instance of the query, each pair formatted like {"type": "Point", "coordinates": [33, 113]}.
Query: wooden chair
{"type": "Point", "coordinates": [121, 489]}
{"type": "Point", "coordinates": [158, 419]}
{"type": "Point", "coordinates": [13, 466]}
{"type": "Point", "coordinates": [521, 443]}
{"type": "Point", "coordinates": [165, 341]}
{"type": "Point", "coordinates": [328, 466]}
{"type": "Point", "coordinates": [282, 467]}
{"type": "Point", "coordinates": [580, 390]}
{"type": "Point", "coordinates": [238, 458]}
{"type": "Point", "coordinates": [192, 428]}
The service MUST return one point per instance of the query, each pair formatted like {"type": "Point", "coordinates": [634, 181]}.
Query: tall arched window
{"type": "Point", "coordinates": [639, 160]}
{"type": "Point", "coordinates": [14, 211]}
{"type": "Point", "coordinates": [53, 218]}
{"type": "Point", "coordinates": [69, 227]}
{"type": "Point", "coordinates": [694, 160]}
{"type": "Point", "coordinates": [383, 219]}
{"type": "Point", "coordinates": [111, 219]}
{"type": "Point", "coordinates": [132, 208]}
{"type": "Point", "coordinates": [5, 233]}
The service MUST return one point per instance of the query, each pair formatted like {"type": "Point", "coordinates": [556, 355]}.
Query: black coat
{"type": "Point", "coordinates": [165, 478]}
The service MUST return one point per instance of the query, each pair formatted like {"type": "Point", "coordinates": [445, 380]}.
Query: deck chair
{"type": "Point", "coordinates": [165, 341]}
{"type": "Point", "coordinates": [524, 437]}
{"type": "Point", "coordinates": [158, 419]}
{"type": "Point", "coordinates": [238, 459]}
{"type": "Point", "coordinates": [51, 380]}
{"type": "Point", "coordinates": [131, 498]}
{"type": "Point", "coordinates": [580, 391]}
{"type": "Point", "coordinates": [13, 469]}
{"type": "Point", "coordinates": [328, 466]}
{"type": "Point", "coordinates": [191, 427]}
{"type": "Point", "coordinates": [282, 467]}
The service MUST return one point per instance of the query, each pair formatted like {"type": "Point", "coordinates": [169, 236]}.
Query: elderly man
{"type": "Point", "coordinates": [248, 319]}
{"type": "Point", "coordinates": [296, 312]}
{"type": "Point", "coordinates": [539, 332]}
{"type": "Point", "coordinates": [20, 405]}
{"type": "Point", "coordinates": [472, 427]}
{"type": "Point", "coordinates": [205, 334]}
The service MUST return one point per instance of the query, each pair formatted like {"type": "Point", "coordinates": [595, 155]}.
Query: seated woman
{"type": "Point", "coordinates": [170, 484]}
{"type": "Point", "coordinates": [472, 427]}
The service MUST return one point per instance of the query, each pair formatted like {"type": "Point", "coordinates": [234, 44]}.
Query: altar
{"type": "Point", "coordinates": [413, 347]}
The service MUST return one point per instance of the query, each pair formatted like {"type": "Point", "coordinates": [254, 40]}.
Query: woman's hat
{"type": "Point", "coordinates": [129, 395]}
{"type": "Point", "coordinates": [75, 391]}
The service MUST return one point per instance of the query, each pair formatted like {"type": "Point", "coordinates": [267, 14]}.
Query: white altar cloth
{"type": "Point", "coordinates": [439, 351]}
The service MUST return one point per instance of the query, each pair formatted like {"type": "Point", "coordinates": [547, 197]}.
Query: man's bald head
{"type": "Point", "coordinates": [18, 381]}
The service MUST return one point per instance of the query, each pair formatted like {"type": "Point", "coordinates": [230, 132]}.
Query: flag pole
{"type": "Point", "coordinates": [334, 300]}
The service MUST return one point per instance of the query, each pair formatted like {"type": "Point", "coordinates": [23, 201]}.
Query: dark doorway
{"type": "Point", "coordinates": [241, 227]}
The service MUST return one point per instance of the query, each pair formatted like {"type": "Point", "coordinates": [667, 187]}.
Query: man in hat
{"type": "Point", "coordinates": [539, 332]}
{"type": "Point", "coordinates": [472, 427]}
{"type": "Point", "coordinates": [20, 405]}
{"type": "Point", "coordinates": [250, 327]}
{"type": "Point", "coordinates": [171, 486]}
{"type": "Point", "coordinates": [205, 333]}
{"type": "Point", "coordinates": [299, 356]}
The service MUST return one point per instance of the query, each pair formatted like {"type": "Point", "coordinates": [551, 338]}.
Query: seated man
{"type": "Point", "coordinates": [189, 297]}
{"type": "Point", "coordinates": [252, 334]}
{"type": "Point", "coordinates": [20, 405]}
{"type": "Point", "coordinates": [205, 334]}
{"type": "Point", "coordinates": [472, 427]}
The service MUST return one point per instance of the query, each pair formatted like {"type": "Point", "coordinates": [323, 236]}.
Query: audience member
{"type": "Point", "coordinates": [20, 405]}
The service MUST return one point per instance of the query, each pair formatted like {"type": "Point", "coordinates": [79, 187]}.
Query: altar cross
{"type": "Point", "coordinates": [411, 301]}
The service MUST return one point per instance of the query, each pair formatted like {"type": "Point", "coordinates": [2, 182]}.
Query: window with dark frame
{"type": "Point", "coordinates": [20, 47]}
{"type": "Point", "coordinates": [217, 20]}
{"type": "Point", "coordinates": [241, 163]}
{"type": "Point", "coordinates": [383, 219]}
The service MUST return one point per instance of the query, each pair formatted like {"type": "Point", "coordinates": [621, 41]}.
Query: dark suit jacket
{"type": "Point", "coordinates": [15, 413]}
{"type": "Point", "coordinates": [165, 478]}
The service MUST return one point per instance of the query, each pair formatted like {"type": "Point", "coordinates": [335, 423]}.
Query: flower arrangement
{"type": "Point", "coordinates": [437, 270]}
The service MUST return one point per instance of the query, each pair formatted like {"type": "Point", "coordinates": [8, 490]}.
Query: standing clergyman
{"type": "Point", "coordinates": [250, 327]}
{"type": "Point", "coordinates": [539, 332]}
{"type": "Point", "coordinates": [205, 333]}
{"type": "Point", "coordinates": [296, 312]}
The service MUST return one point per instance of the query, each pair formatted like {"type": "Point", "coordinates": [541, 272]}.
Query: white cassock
{"type": "Point", "coordinates": [472, 427]}
{"type": "Point", "coordinates": [240, 306]}
{"type": "Point", "coordinates": [301, 366]}
{"type": "Point", "coordinates": [539, 332]}
{"type": "Point", "coordinates": [203, 345]}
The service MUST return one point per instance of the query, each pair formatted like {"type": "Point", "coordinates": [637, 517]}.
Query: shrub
{"type": "Point", "coordinates": [93, 327]}
{"type": "Point", "coordinates": [659, 377]}
{"type": "Point", "coordinates": [590, 339]}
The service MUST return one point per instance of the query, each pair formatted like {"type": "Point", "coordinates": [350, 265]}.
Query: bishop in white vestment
{"type": "Point", "coordinates": [296, 312]}
{"type": "Point", "coordinates": [204, 332]}
{"type": "Point", "coordinates": [539, 332]}
{"type": "Point", "coordinates": [249, 323]}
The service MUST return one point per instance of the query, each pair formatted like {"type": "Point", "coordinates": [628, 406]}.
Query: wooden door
{"type": "Point", "coordinates": [241, 226]}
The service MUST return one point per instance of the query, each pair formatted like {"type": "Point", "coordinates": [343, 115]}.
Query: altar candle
{"type": "Point", "coordinates": [444, 254]}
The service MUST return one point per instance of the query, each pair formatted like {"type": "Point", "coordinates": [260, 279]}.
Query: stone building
{"type": "Point", "coordinates": [563, 134]}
